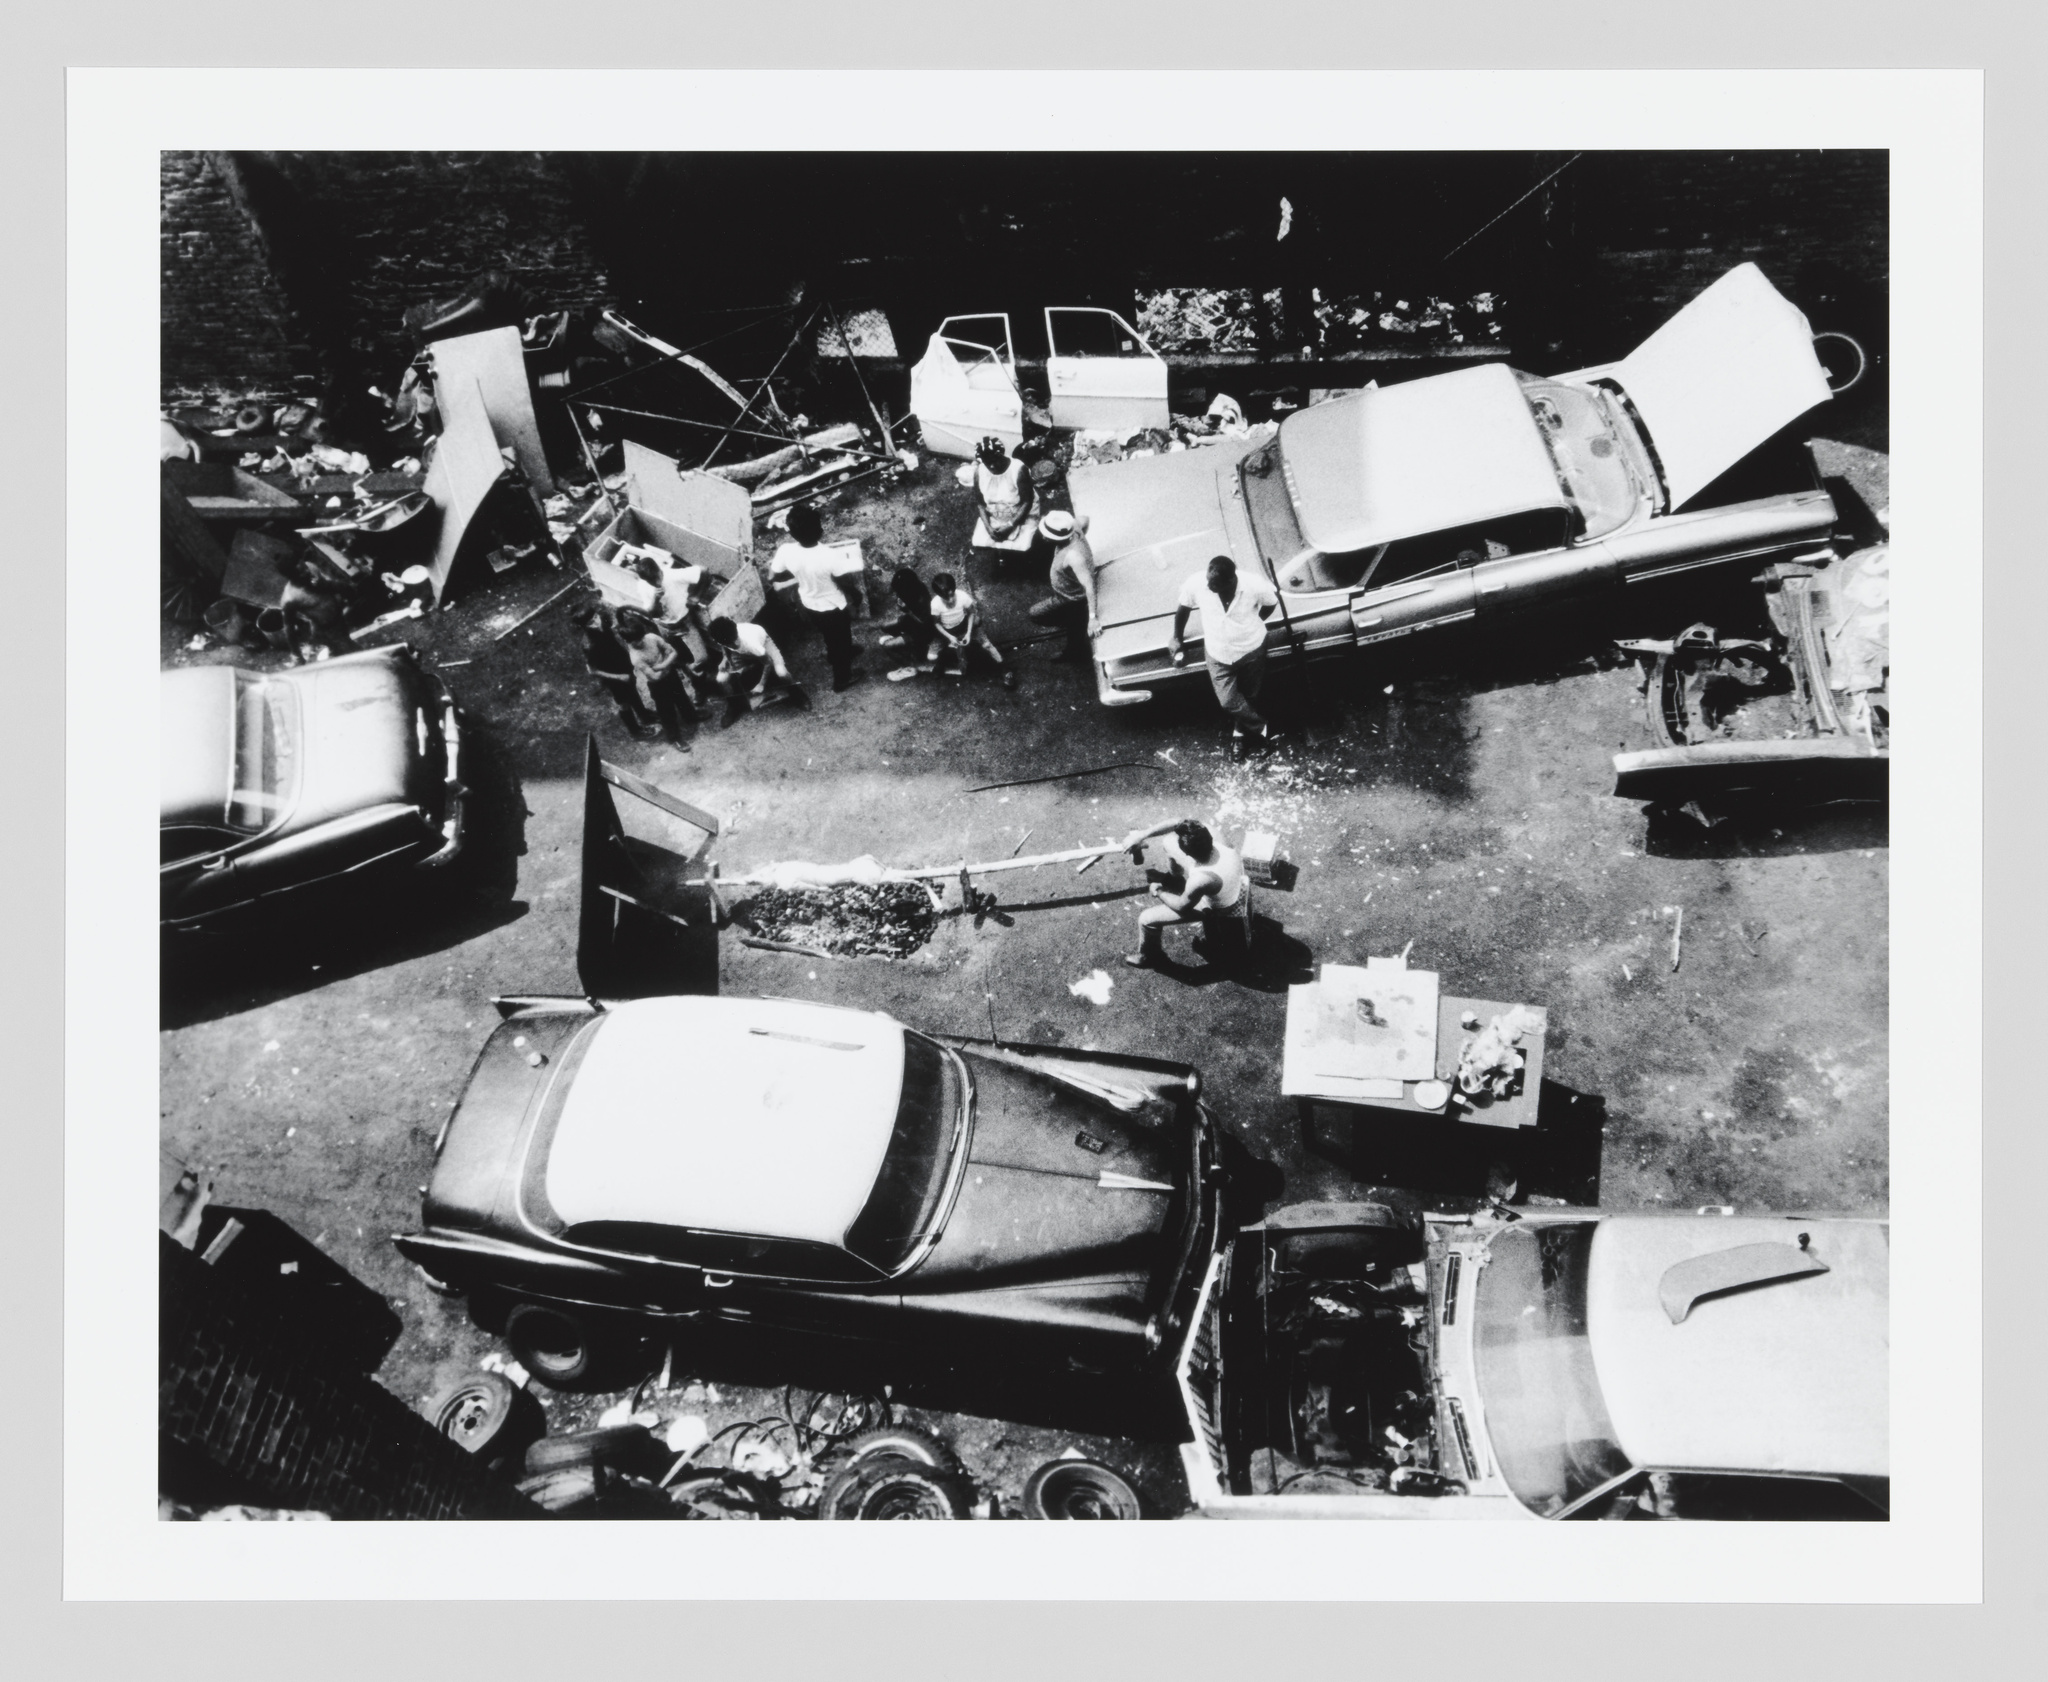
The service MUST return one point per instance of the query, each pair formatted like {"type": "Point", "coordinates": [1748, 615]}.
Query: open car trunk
{"type": "Point", "coordinates": [1721, 378]}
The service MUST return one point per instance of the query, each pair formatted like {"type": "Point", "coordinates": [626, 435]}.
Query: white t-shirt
{"type": "Point", "coordinates": [677, 581]}
{"type": "Point", "coordinates": [817, 571]}
{"type": "Point", "coordinates": [952, 618]}
{"type": "Point", "coordinates": [1229, 634]}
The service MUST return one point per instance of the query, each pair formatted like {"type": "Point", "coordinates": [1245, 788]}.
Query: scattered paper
{"type": "Point", "coordinates": [1094, 987]}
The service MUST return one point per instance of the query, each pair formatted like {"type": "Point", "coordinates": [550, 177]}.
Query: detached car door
{"type": "Point", "coordinates": [964, 388]}
{"type": "Point", "coordinates": [1104, 376]}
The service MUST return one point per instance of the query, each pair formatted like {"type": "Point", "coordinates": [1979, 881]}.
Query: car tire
{"type": "Point", "coordinates": [556, 1347]}
{"type": "Point", "coordinates": [487, 1414]}
{"type": "Point", "coordinates": [887, 1487]}
{"type": "Point", "coordinates": [1079, 1489]}
{"type": "Point", "coordinates": [621, 1448]}
{"type": "Point", "coordinates": [565, 1488]}
{"type": "Point", "coordinates": [906, 1442]}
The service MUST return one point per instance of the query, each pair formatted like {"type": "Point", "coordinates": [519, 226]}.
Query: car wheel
{"type": "Point", "coordinates": [565, 1488]}
{"type": "Point", "coordinates": [487, 1414]}
{"type": "Point", "coordinates": [622, 1448]}
{"type": "Point", "coordinates": [1842, 360]}
{"type": "Point", "coordinates": [907, 1442]}
{"type": "Point", "coordinates": [1079, 1489]}
{"type": "Point", "coordinates": [555, 1347]}
{"type": "Point", "coordinates": [885, 1487]}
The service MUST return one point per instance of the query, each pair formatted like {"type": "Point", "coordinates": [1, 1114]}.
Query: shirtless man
{"type": "Point", "coordinates": [1213, 885]}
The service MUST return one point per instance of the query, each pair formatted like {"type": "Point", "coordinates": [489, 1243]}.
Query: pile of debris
{"type": "Point", "coordinates": [885, 920]}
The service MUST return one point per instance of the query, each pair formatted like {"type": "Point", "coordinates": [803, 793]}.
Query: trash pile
{"type": "Point", "coordinates": [882, 920]}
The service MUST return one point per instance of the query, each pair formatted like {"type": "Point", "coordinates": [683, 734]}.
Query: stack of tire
{"type": "Point", "coordinates": [898, 1472]}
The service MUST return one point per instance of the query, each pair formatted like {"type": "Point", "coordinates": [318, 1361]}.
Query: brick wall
{"type": "Point", "coordinates": [228, 329]}
{"type": "Point", "coordinates": [282, 266]}
{"type": "Point", "coordinates": [244, 1410]}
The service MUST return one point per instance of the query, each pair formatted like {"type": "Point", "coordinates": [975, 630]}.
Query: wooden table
{"type": "Point", "coordinates": [1312, 1093]}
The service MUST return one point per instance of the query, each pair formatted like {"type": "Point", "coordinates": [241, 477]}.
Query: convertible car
{"type": "Point", "coordinates": [275, 782]}
{"type": "Point", "coordinates": [1471, 494]}
{"type": "Point", "coordinates": [1547, 1362]}
{"type": "Point", "coordinates": [612, 1170]}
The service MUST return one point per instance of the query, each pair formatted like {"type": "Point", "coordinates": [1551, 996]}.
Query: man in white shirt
{"type": "Point", "coordinates": [1234, 612]}
{"type": "Point", "coordinates": [818, 589]}
{"type": "Point", "coordinates": [747, 655]}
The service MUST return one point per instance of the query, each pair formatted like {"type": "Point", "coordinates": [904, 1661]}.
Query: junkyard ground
{"type": "Point", "coordinates": [1451, 798]}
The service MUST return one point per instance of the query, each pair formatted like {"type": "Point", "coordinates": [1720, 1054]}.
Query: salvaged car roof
{"type": "Point", "coordinates": [1424, 456]}
{"type": "Point", "coordinates": [1720, 377]}
{"type": "Point", "coordinates": [196, 749]}
{"type": "Point", "coordinates": [1789, 1374]}
{"type": "Point", "coordinates": [757, 1116]}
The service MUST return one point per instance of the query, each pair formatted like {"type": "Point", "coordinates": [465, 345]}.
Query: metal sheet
{"type": "Point", "coordinates": [494, 364]}
{"type": "Point", "coordinates": [466, 465]}
{"type": "Point", "coordinates": [714, 514]}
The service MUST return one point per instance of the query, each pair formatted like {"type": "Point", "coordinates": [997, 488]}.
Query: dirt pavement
{"type": "Point", "coordinates": [1455, 797]}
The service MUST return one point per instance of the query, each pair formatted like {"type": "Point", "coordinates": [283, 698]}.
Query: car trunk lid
{"type": "Point", "coordinates": [1153, 523]}
{"type": "Point", "coordinates": [365, 743]}
{"type": "Point", "coordinates": [1721, 377]}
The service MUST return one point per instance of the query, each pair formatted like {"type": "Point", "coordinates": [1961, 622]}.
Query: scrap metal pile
{"type": "Point", "coordinates": [886, 920]}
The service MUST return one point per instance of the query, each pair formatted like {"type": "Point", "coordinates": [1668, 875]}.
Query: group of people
{"type": "Point", "coordinates": [657, 691]}
{"type": "Point", "coordinates": [636, 655]}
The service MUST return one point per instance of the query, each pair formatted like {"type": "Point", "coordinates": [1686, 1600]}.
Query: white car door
{"type": "Point", "coordinates": [1104, 376]}
{"type": "Point", "coordinates": [964, 388]}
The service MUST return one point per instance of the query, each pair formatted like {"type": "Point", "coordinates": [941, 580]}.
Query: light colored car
{"type": "Point", "coordinates": [1467, 495]}
{"type": "Point", "coordinates": [1546, 1362]}
{"type": "Point", "coordinates": [273, 783]}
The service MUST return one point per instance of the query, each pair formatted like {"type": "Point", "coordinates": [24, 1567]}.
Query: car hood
{"type": "Point", "coordinates": [1033, 1204]}
{"type": "Point", "coordinates": [196, 748]}
{"type": "Point", "coordinates": [361, 744]}
{"type": "Point", "coordinates": [1721, 377]}
{"type": "Point", "coordinates": [1153, 523]}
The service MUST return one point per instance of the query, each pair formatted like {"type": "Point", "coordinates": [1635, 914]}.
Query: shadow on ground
{"type": "Point", "coordinates": [1557, 1158]}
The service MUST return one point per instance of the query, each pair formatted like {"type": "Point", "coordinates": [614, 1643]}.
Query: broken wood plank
{"type": "Point", "coordinates": [656, 796]}
{"type": "Point", "coordinates": [537, 612]}
{"type": "Point", "coordinates": [782, 946]}
{"type": "Point", "coordinates": [1062, 776]}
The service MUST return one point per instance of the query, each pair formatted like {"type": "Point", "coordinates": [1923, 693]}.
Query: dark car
{"type": "Point", "coordinates": [613, 1169]}
{"type": "Point", "coordinates": [273, 782]}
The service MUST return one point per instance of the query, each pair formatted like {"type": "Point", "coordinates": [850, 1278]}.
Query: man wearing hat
{"type": "Point", "coordinates": [1072, 604]}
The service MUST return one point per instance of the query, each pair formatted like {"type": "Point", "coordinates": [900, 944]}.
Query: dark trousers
{"type": "Point", "coordinates": [1070, 614]}
{"type": "Point", "coordinates": [625, 696]}
{"type": "Point", "coordinates": [836, 628]}
{"type": "Point", "coordinates": [672, 704]}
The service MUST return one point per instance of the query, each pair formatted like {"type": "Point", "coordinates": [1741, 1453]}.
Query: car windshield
{"type": "Point", "coordinates": [1544, 1412]}
{"type": "Point", "coordinates": [1591, 457]}
{"type": "Point", "coordinates": [266, 743]}
{"type": "Point", "coordinates": [916, 1170]}
{"type": "Point", "coordinates": [1275, 527]}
